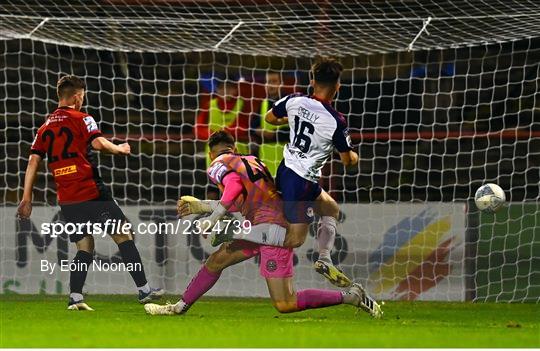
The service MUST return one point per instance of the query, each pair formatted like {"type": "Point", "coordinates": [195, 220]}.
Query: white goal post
{"type": "Point", "coordinates": [440, 98]}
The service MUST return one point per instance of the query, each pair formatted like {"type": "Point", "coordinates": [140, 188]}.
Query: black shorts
{"type": "Point", "coordinates": [94, 211]}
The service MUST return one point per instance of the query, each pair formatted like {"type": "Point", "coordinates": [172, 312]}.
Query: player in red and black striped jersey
{"type": "Point", "coordinates": [66, 139]}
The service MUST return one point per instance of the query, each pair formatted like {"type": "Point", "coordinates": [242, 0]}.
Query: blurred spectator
{"type": "Point", "coordinates": [270, 139]}
{"type": "Point", "coordinates": [224, 110]}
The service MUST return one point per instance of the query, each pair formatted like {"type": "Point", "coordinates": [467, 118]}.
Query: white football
{"type": "Point", "coordinates": [489, 198]}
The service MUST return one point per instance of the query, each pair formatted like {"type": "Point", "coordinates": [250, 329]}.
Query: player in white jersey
{"type": "Point", "coordinates": [316, 128]}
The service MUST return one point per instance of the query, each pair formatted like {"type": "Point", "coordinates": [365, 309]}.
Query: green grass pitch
{"type": "Point", "coordinates": [119, 321]}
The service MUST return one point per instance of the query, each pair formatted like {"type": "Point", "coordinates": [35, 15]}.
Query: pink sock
{"type": "Point", "coordinates": [203, 281]}
{"type": "Point", "coordinates": [317, 298]}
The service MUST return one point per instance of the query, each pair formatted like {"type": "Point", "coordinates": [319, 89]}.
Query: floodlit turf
{"type": "Point", "coordinates": [119, 321]}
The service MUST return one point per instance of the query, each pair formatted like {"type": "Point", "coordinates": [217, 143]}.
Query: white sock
{"type": "Point", "coordinates": [348, 298]}
{"type": "Point", "coordinates": [326, 237]}
{"type": "Point", "coordinates": [266, 234]}
{"type": "Point", "coordinates": [76, 297]}
{"type": "Point", "coordinates": [180, 306]}
{"type": "Point", "coordinates": [145, 288]}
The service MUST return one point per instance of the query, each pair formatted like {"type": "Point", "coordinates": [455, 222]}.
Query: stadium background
{"type": "Point", "coordinates": [430, 125]}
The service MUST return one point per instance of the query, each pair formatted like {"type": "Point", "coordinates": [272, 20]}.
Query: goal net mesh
{"type": "Point", "coordinates": [440, 98]}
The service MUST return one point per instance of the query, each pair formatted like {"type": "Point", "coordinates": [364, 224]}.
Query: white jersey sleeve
{"type": "Point", "coordinates": [316, 128]}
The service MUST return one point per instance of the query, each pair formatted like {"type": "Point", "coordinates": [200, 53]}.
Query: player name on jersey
{"type": "Point", "coordinates": [307, 114]}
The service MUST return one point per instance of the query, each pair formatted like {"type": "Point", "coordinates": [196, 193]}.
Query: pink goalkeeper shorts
{"type": "Point", "coordinates": [276, 262]}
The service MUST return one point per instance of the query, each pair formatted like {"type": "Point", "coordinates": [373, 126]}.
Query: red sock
{"type": "Point", "coordinates": [317, 298]}
{"type": "Point", "coordinates": [203, 281]}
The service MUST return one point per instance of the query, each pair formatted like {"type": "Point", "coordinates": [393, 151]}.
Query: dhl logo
{"type": "Point", "coordinates": [65, 170]}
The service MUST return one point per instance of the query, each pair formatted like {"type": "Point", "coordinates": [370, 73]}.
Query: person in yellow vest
{"type": "Point", "coordinates": [270, 139]}
{"type": "Point", "coordinates": [224, 110]}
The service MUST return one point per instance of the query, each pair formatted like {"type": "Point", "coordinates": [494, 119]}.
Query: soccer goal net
{"type": "Point", "coordinates": [440, 97]}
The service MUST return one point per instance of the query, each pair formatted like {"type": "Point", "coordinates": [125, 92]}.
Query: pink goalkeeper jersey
{"type": "Point", "coordinates": [260, 201]}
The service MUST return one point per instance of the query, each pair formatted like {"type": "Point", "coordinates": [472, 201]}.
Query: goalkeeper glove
{"type": "Point", "coordinates": [188, 205]}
